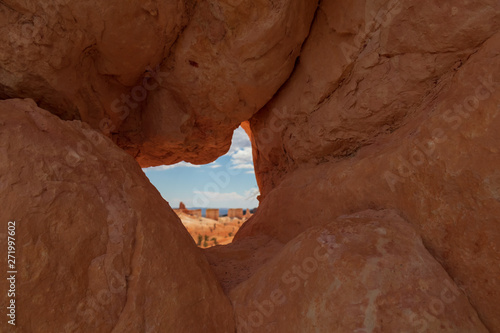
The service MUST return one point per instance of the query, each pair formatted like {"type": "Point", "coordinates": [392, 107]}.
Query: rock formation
{"type": "Point", "coordinates": [235, 213]}
{"type": "Point", "coordinates": [384, 67]}
{"type": "Point", "coordinates": [148, 72]}
{"type": "Point", "coordinates": [212, 214]}
{"type": "Point", "coordinates": [97, 248]}
{"type": "Point", "coordinates": [374, 129]}
{"type": "Point", "coordinates": [183, 210]}
{"type": "Point", "coordinates": [368, 272]}
{"type": "Point", "coordinates": [207, 232]}
{"type": "Point", "coordinates": [437, 164]}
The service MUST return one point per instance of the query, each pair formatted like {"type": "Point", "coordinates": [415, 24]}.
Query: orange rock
{"type": "Point", "coordinates": [392, 106]}
{"type": "Point", "coordinates": [234, 263]}
{"type": "Point", "coordinates": [212, 214]}
{"type": "Point", "coordinates": [366, 69]}
{"type": "Point", "coordinates": [367, 272]}
{"type": "Point", "coordinates": [235, 213]}
{"type": "Point", "coordinates": [440, 170]}
{"type": "Point", "coordinates": [169, 80]}
{"type": "Point", "coordinates": [97, 248]}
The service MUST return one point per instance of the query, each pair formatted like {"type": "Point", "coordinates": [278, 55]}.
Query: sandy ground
{"type": "Point", "coordinates": [208, 232]}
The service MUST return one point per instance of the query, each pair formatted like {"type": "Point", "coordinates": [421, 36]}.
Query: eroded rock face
{"type": "Point", "coordinates": [169, 80]}
{"type": "Point", "coordinates": [238, 261]}
{"type": "Point", "coordinates": [76, 58]}
{"type": "Point", "coordinates": [367, 272]}
{"type": "Point", "coordinates": [226, 65]}
{"type": "Point", "coordinates": [365, 69]}
{"type": "Point", "coordinates": [392, 105]}
{"type": "Point", "coordinates": [440, 170]}
{"type": "Point", "coordinates": [97, 248]}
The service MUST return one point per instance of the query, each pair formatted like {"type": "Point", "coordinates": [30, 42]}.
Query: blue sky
{"type": "Point", "coordinates": [229, 182]}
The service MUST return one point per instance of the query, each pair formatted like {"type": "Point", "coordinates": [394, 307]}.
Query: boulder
{"type": "Point", "coordinates": [433, 158]}
{"type": "Point", "coordinates": [366, 69]}
{"type": "Point", "coordinates": [367, 272]}
{"type": "Point", "coordinates": [167, 80]}
{"type": "Point", "coordinates": [97, 248]}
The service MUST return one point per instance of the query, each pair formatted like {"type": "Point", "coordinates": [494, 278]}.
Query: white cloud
{"type": "Point", "coordinates": [242, 159]}
{"type": "Point", "coordinates": [243, 166]}
{"type": "Point", "coordinates": [239, 157]}
{"type": "Point", "coordinates": [229, 199]}
{"type": "Point", "coordinates": [252, 193]}
{"type": "Point", "coordinates": [240, 141]}
{"type": "Point", "coordinates": [168, 167]}
{"type": "Point", "coordinates": [240, 153]}
{"type": "Point", "coordinates": [218, 196]}
{"type": "Point", "coordinates": [214, 166]}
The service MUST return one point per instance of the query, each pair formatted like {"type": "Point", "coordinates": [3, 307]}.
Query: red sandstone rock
{"type": "Point", "coordinates": [228, 63]}
{"type": "Point", "coordinates": [169, 80]}
{"type": "Point", "coordinates": [97, 248]}
{"type": "Point", "coordinates": [440, 170]}
{"type": "Point", "coordinates": [236, 262]}
{"type": "Point", "coordinates": [365, 69]}
{"type": "Point", "coordinates": [212, 214]}
{"type": "Point", "coordinates": [392, 104]}
{"type": "Point", "coordinates": [235, 213]}
{"type": "Point", "coordinates": [182, 206]}
{"type": "Point", "coordinates": [368, 272]}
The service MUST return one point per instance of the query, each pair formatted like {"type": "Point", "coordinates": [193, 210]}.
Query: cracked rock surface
{"type": "Point", "coordinates": [366, 69]}
{"type": "Point", "coordinates": [439, 169]}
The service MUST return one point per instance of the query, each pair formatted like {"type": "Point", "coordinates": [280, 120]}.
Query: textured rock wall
{"type": "Point", "coordinates": [98, 249]}
{"type": "Point", "coordinates": [366, 68]}
{"type": "Point", "coordinates": [235, 212]}
{"type": "Point", "coordinates": [368, 272]}
{"type": "Point", "coordinates": [169, 80]}
{"type": "Point", "coordinates": [385, 107]}
{"type": "Point", "coordinates": [212, 214]}
{"type": "Point", "coordinates": [439, 168]}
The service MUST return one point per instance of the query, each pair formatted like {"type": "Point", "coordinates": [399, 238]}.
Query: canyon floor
{"type": "Point", "coordinates": [207, 232]}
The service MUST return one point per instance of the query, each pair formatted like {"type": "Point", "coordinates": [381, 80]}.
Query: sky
{"type": "Point", "coordinates": [228, 182]}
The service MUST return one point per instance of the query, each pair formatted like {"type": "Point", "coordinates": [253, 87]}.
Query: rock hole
{"type": "Point", "coordinates": [212, 200]}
